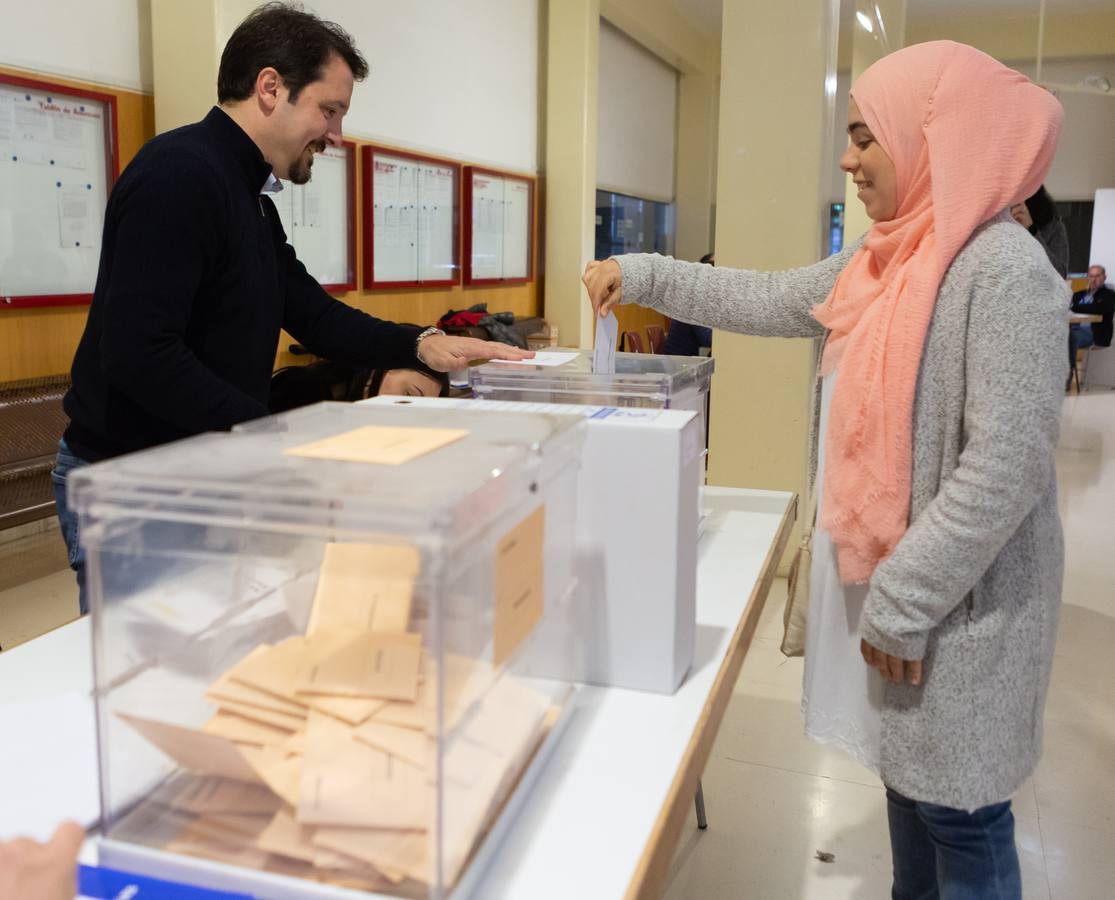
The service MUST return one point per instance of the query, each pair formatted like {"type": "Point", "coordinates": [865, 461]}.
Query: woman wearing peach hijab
{"type": "Point", "coordinates": [937, 560]}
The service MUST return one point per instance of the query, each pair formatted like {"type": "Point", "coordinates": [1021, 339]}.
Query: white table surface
{"type": "Point", "coordinates": [590, 815]}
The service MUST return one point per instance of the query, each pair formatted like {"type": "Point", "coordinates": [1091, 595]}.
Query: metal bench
{"type": "Point", "coordinates": [31, 423]}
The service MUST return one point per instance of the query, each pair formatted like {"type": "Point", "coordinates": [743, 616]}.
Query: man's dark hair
{"type": "Point", "coordinates": [295, 43]}
{"type": "Point", "coordinates": [709, 259]}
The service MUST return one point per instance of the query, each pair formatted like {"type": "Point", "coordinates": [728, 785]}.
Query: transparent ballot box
{"type": "Point", "coordinates": [640, 380]}
{"type": "Point", "coordinates": [634, 616]}
{"type": "Point", "coordinates": [315, 642]}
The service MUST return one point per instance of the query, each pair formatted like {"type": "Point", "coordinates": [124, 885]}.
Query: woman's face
{"type": "Point", "coordinates": [409, 383]}
{"type": "Point", "coordinates": [870, 167]}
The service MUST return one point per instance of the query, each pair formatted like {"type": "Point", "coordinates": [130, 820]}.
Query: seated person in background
{"type": "Point", "coordinates": [1097, 300]}
{"type": "Point", "coordinates": [296, 386]}
{"type": "Point", "coordinates": [684, 339]}
{"type": "Point", "coordinates": [1038, 215]}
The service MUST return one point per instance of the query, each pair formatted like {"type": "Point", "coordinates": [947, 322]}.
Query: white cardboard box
{"type": "Point", "coordinates": [635, 614]}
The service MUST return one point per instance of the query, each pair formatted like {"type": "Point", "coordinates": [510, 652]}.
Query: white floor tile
{"type": "Point", "coordinates": [1080, 862]}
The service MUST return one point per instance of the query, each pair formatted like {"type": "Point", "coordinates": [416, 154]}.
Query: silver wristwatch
{"type": "Point", "coordinates": [418, 341]}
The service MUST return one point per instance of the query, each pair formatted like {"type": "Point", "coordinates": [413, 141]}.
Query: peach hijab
{"type": "Point", "coordinates": [968, 137]}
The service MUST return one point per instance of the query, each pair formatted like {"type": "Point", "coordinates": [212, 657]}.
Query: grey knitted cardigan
{"type": "Point", "coordinates": [974, 586]}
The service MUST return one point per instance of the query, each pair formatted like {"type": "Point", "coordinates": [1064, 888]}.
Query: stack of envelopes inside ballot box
{"type": "Point", "coordinates": [313, 639]}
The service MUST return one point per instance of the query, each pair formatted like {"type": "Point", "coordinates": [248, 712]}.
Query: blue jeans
{"type": "Point", "coordinates": [1080, 336]}
{"type": "Point", "coordinates": [67, 518]}
{"type": "Point", "coordinates": [948, 854]}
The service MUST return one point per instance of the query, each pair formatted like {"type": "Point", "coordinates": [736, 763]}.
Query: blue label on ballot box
{"type": "Point", "coordinates": [109, 884]}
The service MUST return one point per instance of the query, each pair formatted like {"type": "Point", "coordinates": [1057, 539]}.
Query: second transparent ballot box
{"type": "Point", "coordinates": [315, 639]}
{"type": "Point", "coordinates": [640, 380]}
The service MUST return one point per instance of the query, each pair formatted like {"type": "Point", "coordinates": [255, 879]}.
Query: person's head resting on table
{"type": "Point", "coordinates": [407, 383]}
{"type": "Point", "coordinates": [296, 386]}
{"type": "Point", "coordinates": [286, 79]}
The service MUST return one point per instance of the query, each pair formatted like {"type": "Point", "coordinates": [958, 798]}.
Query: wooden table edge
{"type": "Point", "coordinates": [650, 874]}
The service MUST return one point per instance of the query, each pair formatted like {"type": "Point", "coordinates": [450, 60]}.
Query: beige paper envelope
{"type": "Point", "coordinates": [519, 717]}
{"type": "Point", "coordinates": [199, 841]}
{"type": "Point", "coordinates": [335, 862]}
{"type": "Point", "coordinates": [397, 854]}
{"type": "Point", "coordinates": [467, 812]}
{"type": "Point", "coordinates": [232, 828]}
{"type": "Point", "coordinates": [279, 669]}
{"type": "Point", "coordinates": [213, 795]}
{"type": "Point", "coordinates": [381, 666]}
{"type": "Point", "coordinates": [351, 710]}
{"type": "Point", "coordinates": [227, 688]}
{"type": "Point", "coordinates": [519, 584]}
{"type": "Point", "coordinates": [364, 587]}
{"type": "Point", "coordinates": [336, 868]}
{"type": "Point", "coordinates": [379, 444]}
{"type": "Point", "coordinates": [284, 722]}
{"type": "Point", "coordinates": [280, 772]}
{"type": "Point", "coordinates": [195, 750]}
{"type": "Point", "coordinates": [466, 680]}
{"type": "Point", "coordinates": [347, 783]}
{"type": "Point", "coordinates": [414, 716]}
{"type": "Point", "coordinates": [413, 747]}
{"type": "Point", "coordinates": [463, 759]}
{"type": "Point", "coordinates": [508, 718]}
{"type": "Point", "coordinates": [244, 731]}
{"type": "Point", "coordinates": [285, 837]}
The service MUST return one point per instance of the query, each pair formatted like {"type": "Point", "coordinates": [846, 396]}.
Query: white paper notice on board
{"type": "Point", "coordinates": [78, 219]}
{"type": "Point", "coordinates": [604, 350]}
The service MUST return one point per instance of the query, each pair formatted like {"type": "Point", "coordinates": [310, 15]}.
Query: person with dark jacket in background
{"type": "Point", "coordinates": [683, 339]}
{"type": "Point", "coordinates": [1096, 300]}
{"type": "Point", "coordinates": [196, 277]}
{"type": "Point", "coordinates": [1038, 215]}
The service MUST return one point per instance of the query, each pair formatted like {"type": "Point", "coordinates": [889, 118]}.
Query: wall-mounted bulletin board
{"type": "Point", "coordinates": [319, 218]}
{"type": "Point", "coordinates": [411, 220]}
{"type": "Point", "coordinates": [58, 162]}
{"type": "Point", "coordinates": [499, 222]}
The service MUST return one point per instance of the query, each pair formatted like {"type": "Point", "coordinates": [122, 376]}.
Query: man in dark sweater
{"type": "Point", "coordinates": [196, 277]}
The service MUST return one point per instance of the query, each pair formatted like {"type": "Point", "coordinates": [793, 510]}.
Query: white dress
{"type": "Point", "coordinates": [842, 696]}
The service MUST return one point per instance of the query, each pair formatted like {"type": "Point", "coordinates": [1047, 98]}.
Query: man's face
{"type": "Point", "coordinates": [305, 127]}
{"type": "Point", "coordinates": [1097, 275]}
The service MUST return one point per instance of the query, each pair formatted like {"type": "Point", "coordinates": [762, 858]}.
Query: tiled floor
{"type": "Point", "coordinates": [774, 798]}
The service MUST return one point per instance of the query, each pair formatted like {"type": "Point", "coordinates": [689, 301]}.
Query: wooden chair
{"type": "Point", "coordinates": [656, 338]}
{"type": "Point", "coordinates": [1079, 369]}
{"type": "Point", "coordinates": [632, 342]}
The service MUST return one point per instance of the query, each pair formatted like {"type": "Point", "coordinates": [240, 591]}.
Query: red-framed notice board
{"type": "Point", "coordinates": [411, 215]}
{"type": "Point", "coordinates": [499, 227]}
{"type": "Point", "coordinates": [319, 218]}
{"type": "Point", "coordinates": [58, 161]}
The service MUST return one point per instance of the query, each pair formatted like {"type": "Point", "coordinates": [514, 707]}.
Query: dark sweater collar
{"type": "Point", "coordinates": [234, 141]}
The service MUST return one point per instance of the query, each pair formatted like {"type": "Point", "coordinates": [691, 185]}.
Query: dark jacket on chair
{"type": "Point", "coordinates": [1103, 304]}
